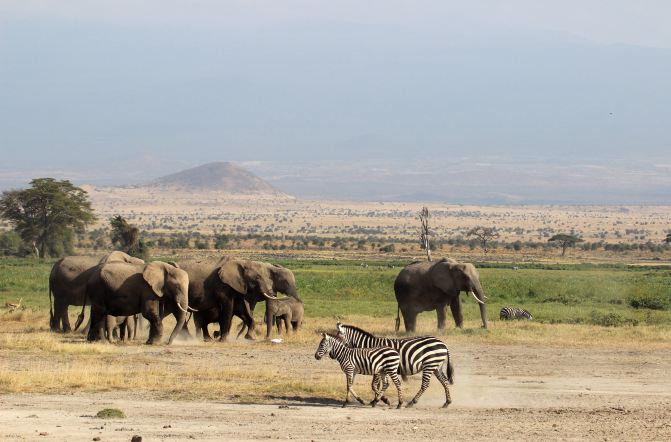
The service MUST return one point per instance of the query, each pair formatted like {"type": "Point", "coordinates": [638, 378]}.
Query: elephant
{"type": "Point", "coordinates": [289, 310]}
{"type": "Point", "coordinates": [426, 285]}
{"type": "Point", "coordinates": [154, 289]}
{"type": "Point", "coordinates": [67, 283]}
{"type": "Point", "coordinates": [283, 281]}
{"type": "Point", "coordinates": [123, 327]}
{"type": "Point", "coordinates": [223, 285]}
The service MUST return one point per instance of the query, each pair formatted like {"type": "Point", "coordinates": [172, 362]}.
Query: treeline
{"type": "Point", "coordinates": [196, 240]}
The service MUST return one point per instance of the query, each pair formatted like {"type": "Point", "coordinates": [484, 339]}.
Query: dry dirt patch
{"type": "Point", "coordinates": [501, 392]}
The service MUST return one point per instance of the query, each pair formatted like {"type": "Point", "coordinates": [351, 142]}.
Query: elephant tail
{"type": "Point", "coordinates": [398, 318]}
{"type": "Point", "coordinates": [449, 369]}
{"type": "Point", "coordinates": [80, 318]}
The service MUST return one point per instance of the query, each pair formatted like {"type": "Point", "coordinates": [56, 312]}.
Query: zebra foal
{"type": "Point", "coordinates": [378, 362]}
{"type": "Point", "coordinates": [419, 353]}
{"type": "Point", "coordinates": [514, 313]}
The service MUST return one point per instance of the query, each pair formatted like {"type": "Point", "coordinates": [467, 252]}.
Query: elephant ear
{"type": "Point", "coordinates": [442, 275]}
{"type": "Point", "coordinates": [231, 273]}
{"type": "Point", "coordinates": [154, 275]}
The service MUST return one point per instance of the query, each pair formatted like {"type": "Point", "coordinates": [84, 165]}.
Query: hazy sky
{"type": "Point", "coordinates": [126, 89]}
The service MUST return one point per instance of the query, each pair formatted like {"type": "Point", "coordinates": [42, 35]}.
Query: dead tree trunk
{"type": "Point", "coordinates": [424, 235]}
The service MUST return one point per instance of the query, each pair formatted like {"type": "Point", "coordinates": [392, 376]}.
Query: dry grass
{"type": "Point", "coordinates": [43, 362]}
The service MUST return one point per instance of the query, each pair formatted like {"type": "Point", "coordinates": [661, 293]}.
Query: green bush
{"type": "Point", "coordinates": [111, 413]}
{"type": "Point", "coordinates": [652, 301]}
{"type": "Point", "coordinates": [610, 319]}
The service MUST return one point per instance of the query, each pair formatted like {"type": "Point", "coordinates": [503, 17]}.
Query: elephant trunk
{"type": "Point", "coordinates": [180, 316]}
{"type": "Point", "coordinates": [479, 295]}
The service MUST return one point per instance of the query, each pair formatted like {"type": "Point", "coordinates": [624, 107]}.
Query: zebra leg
{"type": "Point", "coordinates": [397, 382]}
{"type": "Point", "coordinates": [443, 380]}
{"type": "Point", "coordinates": [385, 385]}
{"type": "Point", "coordinates": [350, 382]}
{"type": "Point", "coordinates": [376, 390]}
{"type": "Point", "coordinates": [426, 378]}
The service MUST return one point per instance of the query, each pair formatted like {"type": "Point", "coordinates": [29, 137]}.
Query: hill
{"type": "Point", "coordinates": [220, 176]}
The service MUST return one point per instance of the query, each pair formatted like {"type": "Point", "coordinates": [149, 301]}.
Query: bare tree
{"type": "Point", "coordinates": [484, 235]}
{"type": "Point", "coordinates": [425, 232]}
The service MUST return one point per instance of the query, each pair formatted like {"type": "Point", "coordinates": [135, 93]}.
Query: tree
{"type": "Point", "coordinates": [484, 235]}
{"type": "Point", "coordinates": [668, 238]}
{"type": "Point", "coordinates": [565, 241]}
{"type": "Point", "coordinates": [424, 238]}
{"type": "Point", "coordinates": [47, 214]}
{"type": "Point", "coordinates": [126, 237]}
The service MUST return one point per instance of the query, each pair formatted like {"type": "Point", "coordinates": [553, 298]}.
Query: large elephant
{"type": "Point", "coordinates": [154, 289]}
{"type": "Point", "coordinates": [424, 286]}
{"type": "Point", "coordinates": [223, 285]}
{"type": "Point", "coordinates": [283, 281]}
{"type": "Point", "coordinates": [67, 283]}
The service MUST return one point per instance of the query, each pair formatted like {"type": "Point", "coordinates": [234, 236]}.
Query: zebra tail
{"type": "Point", "coordinates": [449, 371]}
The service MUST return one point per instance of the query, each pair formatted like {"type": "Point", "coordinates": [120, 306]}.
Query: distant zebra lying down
{"type": "Point", "coordinates": [514, 313]}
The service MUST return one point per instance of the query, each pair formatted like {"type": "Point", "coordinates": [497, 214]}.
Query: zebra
{"type": "Point", "coordinates": [420, 353]}
{"type": "Point", "coordinates": [514, 313]}
{"type": "Point", "coordinates": [379, 362]}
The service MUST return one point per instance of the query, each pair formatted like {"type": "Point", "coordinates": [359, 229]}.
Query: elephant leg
{"type": "Point", "coordinates": [426, 379]}
{"type": "Point", "coordinates": [443, 380]}
{"type": "Point", "coordinates": [97, 328]}
{"type": "Point", "coordinates": [441, 312]}
{"type": "Point", "coordinates": [287, 320]}
{"type": "Point", "coordinates": [61, 316]}
{"type": "Point", "coordinates": [155, 327]}
{"type": "Point", "coordinates": [455, 306]}
{"type": "Point", "coordinates": [225, 318]}
{"type": "Point", "coordinates": [269, 323]}
{"type": "Point", "coordinates": [409, 319]}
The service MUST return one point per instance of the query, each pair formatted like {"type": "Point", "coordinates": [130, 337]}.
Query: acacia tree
{"type": "Point", "coordinates": [668, 238]}
{"type": "Point", "coordinates": [484, 235]}
{"type": "Point", "coordinates": [565, 241]}
{"type": "Point", "coordinates": [425, 232]}
{"type": "Point", "coordinates": [126, 238]}
{"type": "Point", "coordinates": [47, 214]}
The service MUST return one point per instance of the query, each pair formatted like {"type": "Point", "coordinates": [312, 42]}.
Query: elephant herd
{"type": "Point", "coordinates": [121, 286]}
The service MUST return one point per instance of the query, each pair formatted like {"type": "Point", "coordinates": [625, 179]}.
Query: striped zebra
{"type": "Point", "coordinates": [514, 313]}
{"type": "Point", "coordinates": [420, 353]}
{"type": "Point", "coordinates": [379, 362]}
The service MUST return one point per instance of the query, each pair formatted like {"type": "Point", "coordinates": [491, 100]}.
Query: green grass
{"type": "Point", "coordinates": [599, 295]}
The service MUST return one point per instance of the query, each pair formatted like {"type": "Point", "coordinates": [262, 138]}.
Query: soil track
{"type": "Point", "coordinates": [500, 392]}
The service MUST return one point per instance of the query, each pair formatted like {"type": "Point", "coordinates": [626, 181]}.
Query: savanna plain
{"type": "Point", "coordinates": [593, 364]}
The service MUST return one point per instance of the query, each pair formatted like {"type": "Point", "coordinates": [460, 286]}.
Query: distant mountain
{"type": "Point", "coordinates": [220, 176]}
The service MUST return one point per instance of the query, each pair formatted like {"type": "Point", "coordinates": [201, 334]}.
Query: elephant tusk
{"type": "Point", "coordinates": [191, 309]}
{"type": "Point", "coordinates": [268, 296]}
{"type": "Point", "coordinates": [472, 293]}
{"type": "Point", "coordinates": [182, 308]}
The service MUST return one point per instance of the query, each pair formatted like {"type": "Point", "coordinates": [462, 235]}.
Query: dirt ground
{"type": "Point", "coordinates": [500, 392]}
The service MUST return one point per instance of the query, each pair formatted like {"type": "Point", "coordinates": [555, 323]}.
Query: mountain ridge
{"type": "Point", "coordinates": [220, 176]}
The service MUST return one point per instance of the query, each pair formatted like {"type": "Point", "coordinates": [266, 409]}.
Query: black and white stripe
{"type": "Point", "coordinates": [378, 362]}
{"type": "Point", "coordinates": [514, 313]}
{"type": "Point", "coordinates": [424, 354]}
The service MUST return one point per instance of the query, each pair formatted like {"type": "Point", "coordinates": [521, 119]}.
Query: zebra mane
{"type": "Point", "coordinates": [363, 332]}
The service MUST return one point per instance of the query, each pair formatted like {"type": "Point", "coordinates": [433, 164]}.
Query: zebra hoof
{"type": "Point", "coordinates": [446, 404]}
{"type": "Point", "coordinates": [400, 404]}
{"type": "Point", "coordinates": [344, 405]}
{"type": "Point", "coordinates": [373, 403]}
{"type": "Point", "coordinates": [410, 404]}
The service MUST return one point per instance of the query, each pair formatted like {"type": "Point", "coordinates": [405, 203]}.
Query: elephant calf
{"type": "Point", "coordinates": [289, 310]}
{"type": "Point", "coordinates": [122, 327]}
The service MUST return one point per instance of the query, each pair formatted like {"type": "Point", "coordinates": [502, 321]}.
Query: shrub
{"type": "Point", "coordinates": [610, 319]}
{"type": "Point", "coordinates": [652, 301]}
{"type": "Point", "coordinates": [111, 413]}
